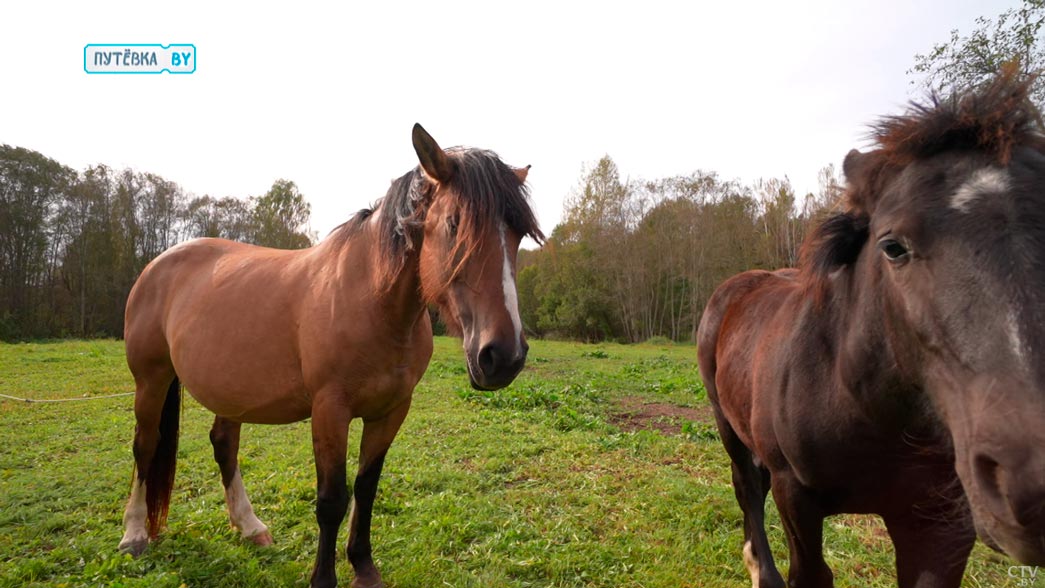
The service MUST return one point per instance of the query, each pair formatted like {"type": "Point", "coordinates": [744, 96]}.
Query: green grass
{"type": "Point", "coordinates": [532, 486]}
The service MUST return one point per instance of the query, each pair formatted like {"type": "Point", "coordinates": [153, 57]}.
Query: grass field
{"type": "Point", "coordinates": [599, 467]}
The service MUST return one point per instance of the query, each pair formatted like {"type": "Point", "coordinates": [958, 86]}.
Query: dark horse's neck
{"type": "Point", "coordinates": [873, 367]}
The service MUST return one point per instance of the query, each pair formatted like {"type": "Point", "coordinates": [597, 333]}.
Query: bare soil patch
{"type": "Point", "coordinates": [636, 414]}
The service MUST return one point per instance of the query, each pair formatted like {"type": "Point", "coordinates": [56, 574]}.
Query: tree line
{"type": "Point", "coordinates": [635, 260]}
{"type": "Point", "coordinates": [630, 261]}
{"type": "Point", "coordinates": [72, 243]}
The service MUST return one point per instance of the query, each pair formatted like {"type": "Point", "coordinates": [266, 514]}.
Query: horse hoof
{"type": "Point", "coordinates": [368, 581]}
{"type": "Point", "coordinates": [262, 539]}
{"type": "Point", "coordinates": [134, 547]}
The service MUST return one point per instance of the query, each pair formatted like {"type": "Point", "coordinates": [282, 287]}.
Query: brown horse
{"type": "Point", "coordinates": [901, 370]}
{"type": "Point", "coordinates": [335, 332]}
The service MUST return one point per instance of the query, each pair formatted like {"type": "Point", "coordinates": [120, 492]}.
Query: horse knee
{"type": "Point", "coordinates": [218, 437]}
{"type": "Point", "coordinates": [331, 505]}
{"type": "Point", "coordinates": [223, 455]}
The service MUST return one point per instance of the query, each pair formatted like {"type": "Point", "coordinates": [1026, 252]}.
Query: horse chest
{"type": "Point", "coordinates": [371, 388]}
{"type": "Point", "coordinates": [391, 381]}
{"type": "Point", "coordinates": [821, 437]}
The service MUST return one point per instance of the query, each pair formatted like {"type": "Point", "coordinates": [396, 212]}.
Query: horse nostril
{"type": "Point", "coordinates": [1009, 495]}
{"type": "Point", "coordinates": [985, 470]}
{"type": "Point", "coordinates": [1028, 506]}
{"type": "Point", "coordinates": [489, 358]}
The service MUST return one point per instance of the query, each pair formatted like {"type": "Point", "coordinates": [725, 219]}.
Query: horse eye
{"type": "Point", "coordinates": [451, 223]}
{"type": "Point", "coordinates": [893, 249]}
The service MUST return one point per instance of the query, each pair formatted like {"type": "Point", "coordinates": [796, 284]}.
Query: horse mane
{"type": "Point", "coordinates": [398, 219]}
{"type": "Point", "coordinates": [488, 192]}
{"type": "Point", "coordinates": [994, 118]}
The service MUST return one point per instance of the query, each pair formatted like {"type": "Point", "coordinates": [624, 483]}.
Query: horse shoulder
{"type": "Point", "coordinates": [819, 431]}
{"type": "Point", "coordinates": [357, 355]}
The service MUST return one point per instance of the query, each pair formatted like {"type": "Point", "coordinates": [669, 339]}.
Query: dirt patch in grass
{"type": "Point", "coordinates": [635, 414]}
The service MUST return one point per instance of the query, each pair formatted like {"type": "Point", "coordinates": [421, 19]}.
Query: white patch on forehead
{"type": "Point", "coordinates": [1012, 328]}
{"type": "Point", "coordinates": [511, 297]}
{"type": "Point", "coordinates": [989, 180]}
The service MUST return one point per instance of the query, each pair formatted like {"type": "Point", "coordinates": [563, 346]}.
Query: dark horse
{"type": "Point", "coordinates": [335, 332]}
{"type": "Point", "coordinates": [901, 370]}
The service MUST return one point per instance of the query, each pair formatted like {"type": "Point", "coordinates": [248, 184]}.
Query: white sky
{"type": "Point", "coordinates": [326, 94]}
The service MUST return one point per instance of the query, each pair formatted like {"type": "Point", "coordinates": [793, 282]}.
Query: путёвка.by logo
{"type": "Point", "coordinates": [139, 58]}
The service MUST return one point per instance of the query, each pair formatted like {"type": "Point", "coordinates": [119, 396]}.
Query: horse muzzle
{"type": "Point", "coordinates": [496, 365]}
{"type": "Point", "coordinates": [1001, 461]}
{"type": "Point", "coordinates": [1009, 502]}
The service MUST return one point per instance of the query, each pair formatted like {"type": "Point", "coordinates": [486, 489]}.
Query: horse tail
{"type": "Point", "coordinates": [160, 479]}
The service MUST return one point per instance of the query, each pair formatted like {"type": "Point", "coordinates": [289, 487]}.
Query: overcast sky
{"type": "Point", "coordinates": [325, 95]}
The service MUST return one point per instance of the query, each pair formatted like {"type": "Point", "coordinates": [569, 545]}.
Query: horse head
{"type": "Point", "coordinates": [476, 215]}
{"type": "Point", "coordinates": [945, 230]}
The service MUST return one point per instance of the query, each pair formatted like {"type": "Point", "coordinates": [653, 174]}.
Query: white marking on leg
{"type": "Point", "coordinates": [752, 563]}
{"type": "Point", "coordinates": [352, 514]}
{"type": "Point", "coordinates": [240, 510]}
{"type": "Point", "coordinates": [989, 180]}
{"type": "Point", "coordinates": [511, 296]}
{"type": "Point", "coordinates": [135, 534]}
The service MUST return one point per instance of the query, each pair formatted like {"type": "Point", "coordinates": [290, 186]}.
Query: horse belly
{"type": "Point", "coordinates": [241, 374]}
{"type": "Point", "coordinates": [249, 390]}
{"type": "Point", "coordinates": [266, 405]}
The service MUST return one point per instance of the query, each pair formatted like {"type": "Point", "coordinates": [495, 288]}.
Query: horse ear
{"type": "Point", "coordinates": [864, 174]}
{"type": "Point", "coordinates": [521, 173]}
{"type": "Point", "coordinates": [433, 159]}
{"type": "Point", "coordinates": [854, 164]}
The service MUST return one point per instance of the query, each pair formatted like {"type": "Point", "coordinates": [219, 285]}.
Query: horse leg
{"type": "Point", "coordinates": [156, 410]}
{"type": "Point", "coordinates": [930, 553]}
{"type": "Point", "coordinates": [376, 439]}
{"type": "Point", "coordinates": [224, 436]}
{"type": "Point", "coordinates": [751, 484]}
{"type": "Point", "coordinates": [330, 421]}
{"type": "Point", "coordinates": [804, 524]}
